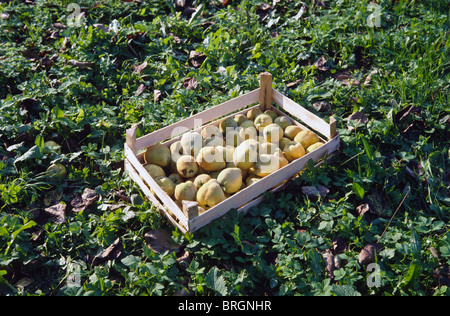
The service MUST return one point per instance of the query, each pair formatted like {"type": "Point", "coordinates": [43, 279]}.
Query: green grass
{"type": "Point", "coordinates": [399, 159]}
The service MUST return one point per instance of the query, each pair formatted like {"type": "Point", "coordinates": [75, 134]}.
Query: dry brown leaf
{"type": "Point", "coordinates": [315, 191]}
{"type": "Point", "coordinates": [367, 254]}
{"type": "Point", "coordinates": [355, 119]}
{"type": "Point", "coordinates": [159, 241]}
{"type": "Point", "coordinates": [196, 59]}
{"type": "Point", "coordinates": [322, 106]}
{"type": "Point", "coordinates": [347, 80]}
{"type": "Point", "coordinates": [321, 64]}
{"type": "Point", "coordinates": [138, 69]}
{"type": "Point", "coordinates": [184, 259]}
{"type": "Point", "coordinates": [190, 83]}
{"type": "Point", "coordinates": [103, 27]}
{"type": "Point", "coordinates": [140, 89]}
{"type": "Point", "coordinates": [157, 95]}
{"type": "Point", "coordinates": [112, 252]}
{"type": "Point", "coordinates": [293, 83]}
{"type": "Point", "coordinates": [59, 26]}
{"type": "Point", "coordinates": [80, 64]}
{"type": "Point", "coordinates": [57, 212]}
{"type": "Point", "coordinates": [80, 203]}
{"type": "Point", "coordinates": [330, 267]}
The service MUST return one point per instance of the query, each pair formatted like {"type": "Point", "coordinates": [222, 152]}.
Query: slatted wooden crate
{"type": "Point", "coordinates": [187, 218]}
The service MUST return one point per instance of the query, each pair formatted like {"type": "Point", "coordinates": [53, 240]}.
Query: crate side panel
{"type": "Point", "coordinates": [197, 120]}
{"type": "Point", "coordinates": [249, 193]}
{"type": "Point", "coordinates": [293, 108]}
{"type": "Point", "coordinates": [168, 202]}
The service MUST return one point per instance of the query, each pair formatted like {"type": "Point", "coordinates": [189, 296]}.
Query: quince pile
{"type": "Point", "coordinates": [211, 165]}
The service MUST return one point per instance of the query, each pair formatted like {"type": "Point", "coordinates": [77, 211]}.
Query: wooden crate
{"type": "Point", "coordinates": [186, 218]}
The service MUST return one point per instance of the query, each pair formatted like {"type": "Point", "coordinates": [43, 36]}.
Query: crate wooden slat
{"type": "Point", "coordinates": [185, 217]}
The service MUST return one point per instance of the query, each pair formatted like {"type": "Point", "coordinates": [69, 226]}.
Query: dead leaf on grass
{"type": "Point", "coordinates": [57, 212]}
{"type": "Point", "coordinates": [59, 26]}
{"type": "Point", "coordinates": [355, 119]}
{"type": "Point", "coordinates": [80, 64]}
{"type": "Point", "coordinates": [190, 83]}
{"type": "Point", "coordinates": [80, 203]}
{"type": "Point", "coordinates": [347, 80]}
{"type": "Point", "coordinates": [321, 64]}
{"type": "Point", "coordinates": [139, 68]}
{"type": "Point", "coordinates": [330, 267]}
{"type": "Point", "coordinates": [196, 59]}
{"type": "Point", "coordinates": [159, 241]}
{"type": "Point", "coordinates": [367, 254]}
{"type": "Point", "coordinates": [315, 191]}
{"type": "Point", "coordinates": [140, 89]}
{"type": "Point", "coordinates": [339, 245]}
{"type": "Point", "coordinates": [112, 252]}
{"type": "Point", "coordinates": [293, 83]}
{"type": "Point", "coordinates": [322, 106]}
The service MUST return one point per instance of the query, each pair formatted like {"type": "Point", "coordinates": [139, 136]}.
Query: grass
{"type": "Point", "coordinates": [397, 163]}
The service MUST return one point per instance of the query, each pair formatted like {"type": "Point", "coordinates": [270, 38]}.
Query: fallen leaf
{"type": "Point", "coordinates": [403, 114]}
{"type": "Point", "coordinates": [79, 64]}
{"type": "Point", "coordinates": [80, 203]}
{"type": "Point", "coordinates": [190, 83]}
{"type": "Point", "coordinates": [59, 26]}
{"type": "Point", "coordinates": [362, 209]}
{"type": "Point", "coordinates": [369, 77]}
{"type": "Point", "coordinates": [23, 282]}
{"type": "Point", "coordinates": [355, 119]}
{"type": "Point", "coordinates": [184, 259]}
{"type": "Point", "coordinates": [263, 11]}
{"type": "Point", "coordinates": [140, 89]}
{"type": "Point", "coordinates": [138, 69]}
{"type": "Point", "coordinates": [159, 241]}
{"type": "Point", "coordinates": [57, 212]}
{"type": "Point", "coordinates": [103, 27]}
{"type": "Point", "coordinates": [322, 106]}
{"type": "Point", "coordinates": [112, 252]}
{"type": "Point", "coordinates": [156, 96]}
{"type": "Point", "coordinates": [315, 191]}
{"type": "Point", "coordinates": [196, 59]}
{"type": "Point", "coordinates": [293, 83]}
{"type": "Point", "coordinates": [347, 80]}
{"type": "Point", "coordinates": [330, 267]}
{"type": "Point", "coordinates": [367, 254]}
{"type": "Point", "coordinates": [321, 64]}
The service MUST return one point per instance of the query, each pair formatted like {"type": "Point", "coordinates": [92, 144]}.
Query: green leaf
{"type": "Point", "coordinates": [412, 277]}
{"type": "Point", "coordinates": [196, 14]}
{"type": "Point", "coordinates": [26, 226]}
{"type": "Point", "coordinates": [39, 141]}
{"type": "Point", "coordinates": [416, 243]}
{"type": "Point", "coordinates": [344, 290]}
{"type": "Point", "coordinates": [367, 148]}
{"type": "Point", "coordinates": [131, 261]}
{"type": "Point", "coordinates": [33, 153]}
{"type": "Point", "coordinates": [359, 191]}
{"type": "Point", "coordinates": [216, 282]}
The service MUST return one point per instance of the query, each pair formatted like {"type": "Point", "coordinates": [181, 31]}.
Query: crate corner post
{"type": "Point", "coordinates": [333, 131]}
{"type": "Point", "coordinates": [131, 137]}
{"type": "Point", "coordinates": [265, 95]}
